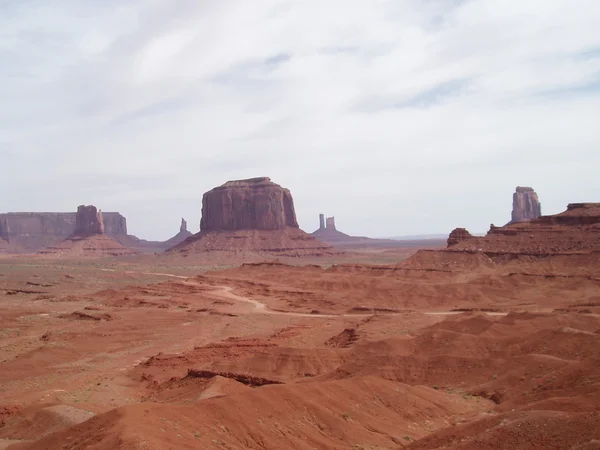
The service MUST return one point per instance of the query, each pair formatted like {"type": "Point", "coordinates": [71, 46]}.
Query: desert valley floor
{"type": "Point", "coordinates": [440, 350]}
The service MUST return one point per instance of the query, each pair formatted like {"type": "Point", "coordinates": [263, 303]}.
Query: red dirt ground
{"type": "Point", "coordinates": [444, 350]}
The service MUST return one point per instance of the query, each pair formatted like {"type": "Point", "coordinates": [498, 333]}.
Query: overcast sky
{"type": "Point", "coordinates": [395, 116]}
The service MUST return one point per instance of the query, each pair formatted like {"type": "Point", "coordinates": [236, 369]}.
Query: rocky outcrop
{"type": "Point", "coordinates": [321, 221]}
{"type": "Point", "coordinates": [330, 223]}
{"type": "Point", "coordinates": [253, 216]}
{"type": "Point", "coordinates": [88, 239]}
{"type": "Point", "coordinates": [576, 230]}
{"type": "Point", "coordinates": [88, 221]}
{"type": "Point", "coordinates": [458, 235]}
{"type": "Point", "coordinates": [526, 205]}
{"type": "Point", "coordinates": [183, 234]}
{"type": "Point", "coordinates": [253, 204]}
{"type": "Point", "coordinates": [34, 231]}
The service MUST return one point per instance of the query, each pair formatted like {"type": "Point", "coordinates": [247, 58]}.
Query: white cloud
{"type": "Point", "coordinates": [395, 116]}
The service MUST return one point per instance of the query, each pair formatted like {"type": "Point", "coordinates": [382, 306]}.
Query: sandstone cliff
{"type": "Point", "coordinates": [88, 238]}
{"type": "Point", "coordinates": [253, 204]}
{"type": "Point", "coordinates": [575, 230]}
{"type": "Point", "coordinates": [88, 221]}
{"type": "Point", "coordinates": [34, 231]}
{"type": "Point", "coordinates": [251, 216]}
{"type": "Point", "coordinates": [526, 205]}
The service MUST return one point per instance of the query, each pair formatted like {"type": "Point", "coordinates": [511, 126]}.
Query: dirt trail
{"type": "Point", "coordinates": [259, 307]}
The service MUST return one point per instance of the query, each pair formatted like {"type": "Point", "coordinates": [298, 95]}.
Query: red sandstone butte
{"type": "Point", "coordinates": [526, 205]}
{"type": "Point", "coordinates": [253, 215]}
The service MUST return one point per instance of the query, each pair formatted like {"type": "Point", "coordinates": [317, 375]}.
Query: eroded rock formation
{"type": "Point", "coordinates": [253, 204]}
{"type": "Point", "coordinates": [458, 235]}
{"type": "Point", "coordinates": [329, 234]}
{"type": "Point", "coordinates": [88, 221]}
{"type": "Point", "coordinates": [526, 205]}
{"type": "Point", "coordinates": [575, 230]}
{"type": "Point", "coordinates": [88, 238]}
{"type": "Point", "coordinates": [251, 216]}
{"type": "Point", "coordinates": [34, 231]}
{"type": "Point", "coordinates": [183, 227]}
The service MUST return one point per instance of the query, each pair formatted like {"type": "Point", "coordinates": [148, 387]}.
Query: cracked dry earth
{"type": "Point", "coordinates": [424, 355]}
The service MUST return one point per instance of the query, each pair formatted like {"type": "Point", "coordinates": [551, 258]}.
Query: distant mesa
{"type": "Point", "coordinates": [526, 205]}
{"type": "Point", "coordinates": [251, 216]}
{"type": "Point", "coordinates": [32, 231]}
{"type": "Point", "coordinates": [88, 239]}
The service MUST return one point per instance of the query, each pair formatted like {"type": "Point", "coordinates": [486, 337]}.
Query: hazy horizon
{"type": "Point", "coordinates": [397, 117]}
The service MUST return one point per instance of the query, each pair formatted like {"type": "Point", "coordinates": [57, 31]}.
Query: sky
{"type": "Point", "coordinates": [398, 117]}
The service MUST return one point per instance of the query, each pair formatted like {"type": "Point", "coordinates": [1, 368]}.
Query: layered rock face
{"type": "Point", "coordinates": [88, 221]}
{"type": "Point", "coordinates": [458, 235]}
{"type": "Point", "coordinates": [34, 231]}
{"type": "Point", "coordinates": [88, 239]}
{"type": "Point", "coordinates": [577, 230]}
{"type": "Point", "coordinates": [251, 216]}
{"type": "Point", "coordinates": [526, 205]}
{"type": "Point", "coordinates": [253, 204]}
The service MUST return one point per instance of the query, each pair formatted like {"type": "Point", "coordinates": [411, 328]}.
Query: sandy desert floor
{"type": "Point", "coordinates": [440, 351]}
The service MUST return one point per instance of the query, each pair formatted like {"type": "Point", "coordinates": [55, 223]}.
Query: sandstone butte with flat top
{"type": "Point", "coordinates": [251, 216]}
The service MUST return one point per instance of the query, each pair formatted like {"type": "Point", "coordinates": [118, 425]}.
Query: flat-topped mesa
{"type": "Point", "coordinates": [249, 217]}
{"type": "Point", "coordinates": [458, 235]}
{"type": "Point", "coordinates": [526, 205]}
{"type": "Point", "coordinates": [252, 204]}
{"type": "Point", "coordinates": [88, 222]}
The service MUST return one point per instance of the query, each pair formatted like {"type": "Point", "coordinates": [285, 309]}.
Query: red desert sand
{"type": "Point", "coordinates": [492, 343]}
